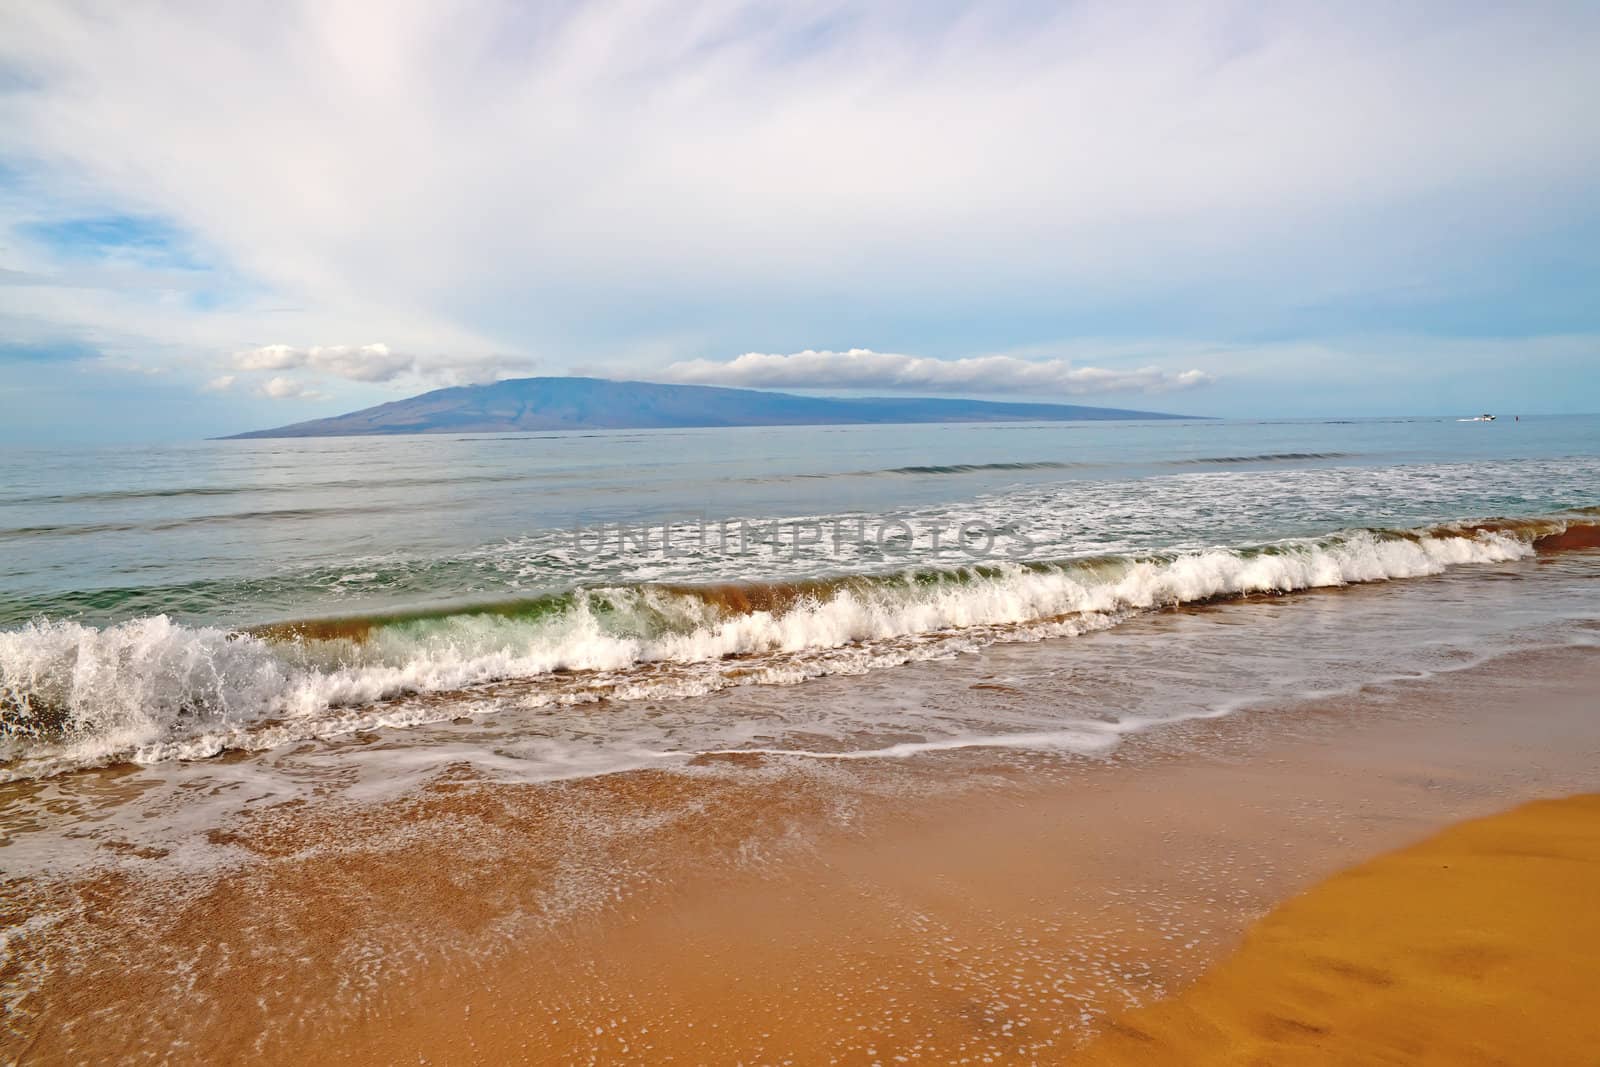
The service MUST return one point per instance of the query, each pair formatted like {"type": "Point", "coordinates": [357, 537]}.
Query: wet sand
{"type": "Point", "coordinates": [1479, 945]}
{"type": "Point", "coordinates": [971, 906]}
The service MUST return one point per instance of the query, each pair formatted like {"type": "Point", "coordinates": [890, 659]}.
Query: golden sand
{"type": "Point", "coordinates": [961, 907]}
{"type": "Point", "coordinates": [1481, 945]}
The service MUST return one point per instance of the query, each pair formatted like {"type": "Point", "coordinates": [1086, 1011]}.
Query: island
{"type": "Point", "coordinates": [601, 403]}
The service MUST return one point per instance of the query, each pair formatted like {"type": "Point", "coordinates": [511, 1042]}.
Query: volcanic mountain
{"type": "Point", "coordinates": [600, 403]}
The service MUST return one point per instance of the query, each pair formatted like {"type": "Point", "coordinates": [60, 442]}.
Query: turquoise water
{"type": "Point", "coordinates": [245, 532]}
{"type": "Point", "coordinates": [179, 600]}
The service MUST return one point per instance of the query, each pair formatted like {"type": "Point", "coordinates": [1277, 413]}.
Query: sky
{"type": "Point", "coordinates": [220, 217]}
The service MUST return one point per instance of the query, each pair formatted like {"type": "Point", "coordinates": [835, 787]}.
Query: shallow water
{"type": "Point", "coordinates": [1062, 698]}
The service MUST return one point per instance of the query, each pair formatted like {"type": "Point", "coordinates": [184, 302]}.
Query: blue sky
{"type": "Point", "coordinates": [232, 217]}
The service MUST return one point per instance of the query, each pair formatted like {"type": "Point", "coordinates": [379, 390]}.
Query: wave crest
{"type": "Point", "coordinates": [151, 688]}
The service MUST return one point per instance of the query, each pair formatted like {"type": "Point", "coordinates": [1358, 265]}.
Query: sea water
{"type": "Point", "coordinates": [177, 601]}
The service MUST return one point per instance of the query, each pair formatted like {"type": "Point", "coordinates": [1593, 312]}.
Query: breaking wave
{"type": "Point", "coordinates": [151, 689]}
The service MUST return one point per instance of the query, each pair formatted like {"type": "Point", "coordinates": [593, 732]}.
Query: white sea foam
{"type": "Point", "coordinates": [1086, 738]}
{"type": "Point", "coordinates": [151, 689]}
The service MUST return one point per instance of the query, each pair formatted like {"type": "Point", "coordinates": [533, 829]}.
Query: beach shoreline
{"type": "Point", "coordinates": [961, 904]}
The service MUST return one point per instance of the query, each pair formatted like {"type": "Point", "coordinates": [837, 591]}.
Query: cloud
{"type": "Point", "coordinates": [861, 368]}
{"type": "Point", "coordinates": [953, 177]}
{"type": "Point", "coordinates": [375, 363]}
{"type": "Point", "coordinates": [220, 384]}
{"type": "Point", "coordinates": [356, 363]}
{"type": "Point", "coordinates": [281, 388]}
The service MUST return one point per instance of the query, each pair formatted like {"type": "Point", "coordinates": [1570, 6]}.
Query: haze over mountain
{"type": "Point", "coordinates": [599, 403]}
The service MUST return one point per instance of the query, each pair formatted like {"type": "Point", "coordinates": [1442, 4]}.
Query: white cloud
{"type": "Point", "coordinates": [596, 176]}
{"type": "Point", "coordinates": [356, 363]}
{"type": "Point", "coordinates": [220, 384]}
{"type": "Point", "coordinates": [861, 368]}
{"type": "Point", "coordinates": [281, 388]}
{"type": "Point", "coordinates": [773, 151]}
{"type": "Point", "coordinates": [378, 363]}
{"type": "Point", "coordinates": [270, 357]}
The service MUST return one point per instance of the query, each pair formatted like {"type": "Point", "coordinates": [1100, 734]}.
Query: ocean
{"type": "Point", "coordinates": [583, 594]}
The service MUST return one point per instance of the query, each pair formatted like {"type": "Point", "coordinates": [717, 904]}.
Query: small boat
{"type": "Point", "coordinates": [1486, 417]}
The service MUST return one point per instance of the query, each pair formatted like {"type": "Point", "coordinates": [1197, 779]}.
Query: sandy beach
{"type": "Point", "coordinates": [1475, 946]}
{"type": "Point", "coordinates": [965, 907]}
{"type": "Point", "coordinates": [740, 533]}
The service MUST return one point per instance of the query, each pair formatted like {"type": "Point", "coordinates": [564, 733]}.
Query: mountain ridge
{"type": "Point", "coordinates": [576, 403]}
